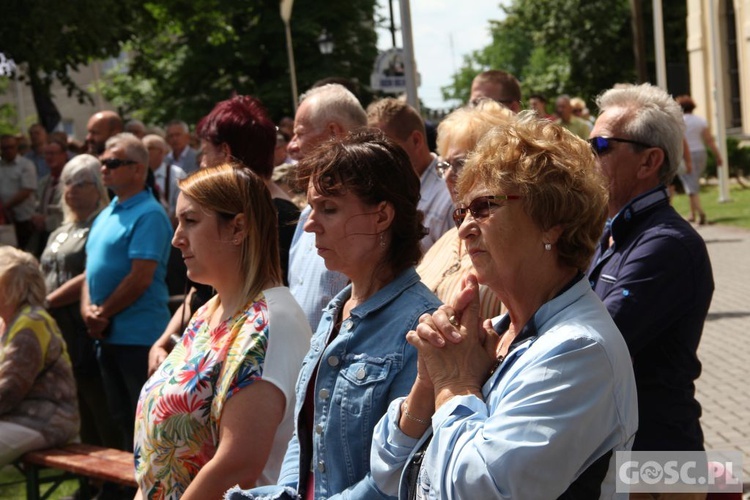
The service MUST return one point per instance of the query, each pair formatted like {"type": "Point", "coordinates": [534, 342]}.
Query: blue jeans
{"type": "Point", "coordinates": [124, 371]}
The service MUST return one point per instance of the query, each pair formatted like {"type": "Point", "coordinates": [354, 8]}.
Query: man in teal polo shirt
{"type": "Point", "coordinates": [124, 298]}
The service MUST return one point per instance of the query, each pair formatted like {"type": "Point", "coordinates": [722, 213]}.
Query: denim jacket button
{"type": "Point", "coordinates": [333, 361]}
{"type": "Point", "coordinates": [361, 374]}
{"type": "Point", "coordinates": [324, 393]}
{"type": "Point", "coordinates": [321, 466]}
{"type": "Point", "coordinates": [347, 325]}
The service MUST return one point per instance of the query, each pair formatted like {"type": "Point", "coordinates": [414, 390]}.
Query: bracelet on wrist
{"type": "Point", "coordinates": [409, 416]}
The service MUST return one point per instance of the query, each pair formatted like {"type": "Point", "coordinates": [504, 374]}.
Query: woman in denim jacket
{"type": "Point", "coordinates": [363, 193]}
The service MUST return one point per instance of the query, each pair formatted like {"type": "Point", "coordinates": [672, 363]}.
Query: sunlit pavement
{"type": "Point", "coordinates": [724, 388]}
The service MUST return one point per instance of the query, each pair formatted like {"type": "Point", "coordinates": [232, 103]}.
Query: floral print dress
{"type": "Point", "coordinates": [179, 409]}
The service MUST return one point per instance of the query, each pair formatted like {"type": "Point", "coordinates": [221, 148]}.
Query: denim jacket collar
{"type": "Point", "coordinates": [381, 298]}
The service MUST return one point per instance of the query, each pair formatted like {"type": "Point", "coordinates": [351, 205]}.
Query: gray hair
{"type": "Point", "coordinates": [155, 140]}
{"type": "Point", "coordinates": [83, 168]}
{"type": "Point", "coordinates": [184, 126]}
{"type": "Point", "coordinates": [333, 102]}
{"type": "Point", "coordinates": [655, 119]}
{"type": "Point", "coordinates": [133, 147]}
{"type": "Point", "coordinates": [134, 123]}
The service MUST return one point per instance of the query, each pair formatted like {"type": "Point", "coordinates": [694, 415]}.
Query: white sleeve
{"type": "Point", "coordinates": [288, 341]}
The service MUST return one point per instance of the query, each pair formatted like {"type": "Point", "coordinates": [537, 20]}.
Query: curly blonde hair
{"type": "Point", "coordinates": [555, 174]}
{"type": "Point", "coordinates": [466, 125]}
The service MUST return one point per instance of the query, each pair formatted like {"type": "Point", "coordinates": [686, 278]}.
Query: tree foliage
{"type": "Point", "coordinates": [47, 40]}
{"type": "Point", "coordinates": [185, 55]}
{"type": "Point", "coordinates": [579, 47]}
{"type": "Point", "coordinates": [191, 54]}
{"type": "Point", "coordinates": [7, 112]}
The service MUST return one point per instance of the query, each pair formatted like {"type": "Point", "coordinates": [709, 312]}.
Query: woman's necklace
{"type": "Point", "coordinates": [501, 348]}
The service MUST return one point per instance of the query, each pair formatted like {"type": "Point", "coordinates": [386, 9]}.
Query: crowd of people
{"type": "Point", "coordinates": [328, 308]}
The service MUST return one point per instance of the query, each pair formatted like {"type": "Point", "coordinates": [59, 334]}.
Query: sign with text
{"type": "Point", "coordinates": [679, 471]}
{"type": "Point", "coordinates": [389, 72]}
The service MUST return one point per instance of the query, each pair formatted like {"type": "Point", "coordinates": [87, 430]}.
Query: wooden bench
{"type": "Point", "coordinates": [80, 461]}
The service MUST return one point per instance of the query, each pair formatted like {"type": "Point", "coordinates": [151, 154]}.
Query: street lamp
{"type": "Point", "coordinates": [325, 43]}
{"type": "Point", "coordinates": [285, 7]}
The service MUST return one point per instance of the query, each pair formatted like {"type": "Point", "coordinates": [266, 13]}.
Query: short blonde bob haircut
{"type": "Point", "coordinates": [21, 280]}
{"type": "Point", "coordinates": [229, 190]}
{"type": "Point", "coordinates": [555, 174]}
{"type": "Point", "coordinates": [466, 125]}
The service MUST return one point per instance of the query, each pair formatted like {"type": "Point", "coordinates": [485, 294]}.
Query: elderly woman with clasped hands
{"type": "Point", "coordinates": [534, 403]}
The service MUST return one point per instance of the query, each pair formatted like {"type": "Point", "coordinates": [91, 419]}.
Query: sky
{"type": "Point", "coordinates": [443, 32]}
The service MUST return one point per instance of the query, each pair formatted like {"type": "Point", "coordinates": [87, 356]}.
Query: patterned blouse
{"type": "Point", "coordinates": [179, 410]}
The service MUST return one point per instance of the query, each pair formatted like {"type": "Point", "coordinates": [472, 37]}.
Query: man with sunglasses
{"type": "Point", "coordinates": [124, 297]}
{"type": "Point", "coordinates": [651, 269]}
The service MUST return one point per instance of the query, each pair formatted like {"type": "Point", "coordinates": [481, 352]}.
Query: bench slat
{"type": "Point", "coordinates": [87, 460]}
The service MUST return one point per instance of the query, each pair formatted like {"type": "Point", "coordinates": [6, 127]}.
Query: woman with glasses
{"type": "Point", "coordinates": [363, 193]}
{"type": "Point", "coordinates": [447, 261]}
{"type": "Point", "coordinates": [63, 262]}
{"type": "Point", "coordinates": [534, 403]}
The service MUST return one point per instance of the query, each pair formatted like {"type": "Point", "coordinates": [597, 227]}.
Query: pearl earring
{"type": "Point", "coordinates": [382, 240]}
{"type": "Point", "coordinates": [548, 246]}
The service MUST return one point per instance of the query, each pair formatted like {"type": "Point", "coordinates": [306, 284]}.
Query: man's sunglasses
{"type": "Point", "coordinates": [480, 207]}
{"type": "Point", "coordinates": [113, 163]}
{"type": "Point", "coordinates": [601, 145]}
{"type": "Point", "coordinates": [443, 167]}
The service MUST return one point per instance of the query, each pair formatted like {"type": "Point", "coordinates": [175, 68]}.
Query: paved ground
{"type": "Point", "coordinates": [723, 389]}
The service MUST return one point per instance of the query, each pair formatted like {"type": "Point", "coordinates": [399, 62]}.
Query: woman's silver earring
{"type": "Point", "coordinates": [382, 240]}
{"type": "Point", "coordinates": [548, 246]}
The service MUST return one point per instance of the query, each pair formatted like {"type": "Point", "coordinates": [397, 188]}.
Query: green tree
{"type": "Point", "coordinates": [47, 40]}
{"type": "Point", "coordinates": [510, 50]}
{"type": "Point", "coordinates": [189, 55]}
{"type": "Point", "coordinates": [7, 112]}
{"type": "Point", "coordinates": [557, 46]}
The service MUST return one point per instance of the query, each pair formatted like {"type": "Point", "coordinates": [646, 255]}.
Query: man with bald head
{"type": "Point", "coordinates": [101, 126]}
{"type": "Point", "coordinates": [324, 112]}
{"type": "Point", "coordinates": [499, 86]}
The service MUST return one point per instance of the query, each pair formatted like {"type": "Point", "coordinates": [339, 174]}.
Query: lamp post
{"type": "Point", "coordinates": [326, 46]}
{"type": "Point", "coordinates": [325, 43]}
{"type": "Point", "coordinates": [285, 7]}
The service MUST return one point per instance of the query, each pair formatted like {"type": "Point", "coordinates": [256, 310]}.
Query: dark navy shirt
{"type": "Point", "coordinates": [657, 284]}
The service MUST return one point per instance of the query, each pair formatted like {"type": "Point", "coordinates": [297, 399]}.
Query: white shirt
{"type": "Point", "coordinates": [14, 176]}
{"type": "Point", "coordinates": [160, 178]}
{"type": "Point", "coordinates": [436, 204]}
